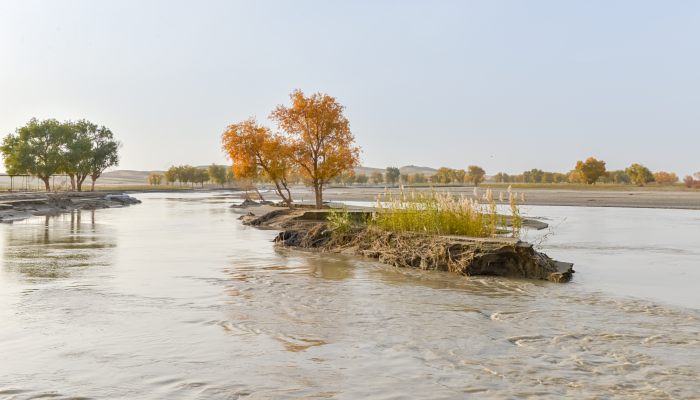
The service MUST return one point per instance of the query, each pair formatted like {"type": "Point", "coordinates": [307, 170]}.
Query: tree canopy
{"type": "Point", "coordinates": [475, 174]}
{"type": "Point", "coordinates": [322, 144]}
{"type": "Point", "coordinates": [49, 147]}
{"type": "Point", "coordinates": [639, 174]}
{"type": "Point", "coordinates": [217, 174]}
{"type": "Point", "coordinates": [590, 170]}
{"type": "Point", "coordinates": [254, 149]}
{"type": "Point", "coordinates": [392, 175]}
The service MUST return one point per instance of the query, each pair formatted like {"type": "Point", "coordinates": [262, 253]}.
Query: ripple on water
{"type": "Point", "coordinates": [218, 313]}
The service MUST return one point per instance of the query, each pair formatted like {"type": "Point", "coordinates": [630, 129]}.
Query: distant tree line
{"type": "Point", "coordinates": [391, 176]}
{"type": "Point", "coordinates": [589, 171]}
{"type": "Point", "coordinates": [78, 149]}
{"type": "Point", "coordinates": [187, 174]}
{"type": "Point", "coordinates": [593, 171]}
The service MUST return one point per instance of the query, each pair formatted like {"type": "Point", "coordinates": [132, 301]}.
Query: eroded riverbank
{"type": "Point", "coordinates": [496, 256]}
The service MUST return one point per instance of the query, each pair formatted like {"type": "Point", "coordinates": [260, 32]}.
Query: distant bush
{"type": "Point", "coordinates": [665, 178]}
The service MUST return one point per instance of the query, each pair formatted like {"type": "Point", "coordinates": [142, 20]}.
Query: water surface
{"type": "Point", "coordinates": [175, 299]}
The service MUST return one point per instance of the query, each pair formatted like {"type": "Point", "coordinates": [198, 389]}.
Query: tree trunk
{"type": "Point", "coordinates": [46, 183]}
{"type": "Point", "coordinates": [318, 191]}
{"type": "Point", "coordinates": [72, 182]}
{"type": "Point", "coordinates": [288, 198]}
{"type": "Point", "coordinates": [260, 196]}
{"type": "Point", "coordinates": [92, 186]}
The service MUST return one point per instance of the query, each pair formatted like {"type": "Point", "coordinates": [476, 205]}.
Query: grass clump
{"type": "Point", "coordinates": [339, 220]}
{"type": "Point", "coordinates": [441, 213]}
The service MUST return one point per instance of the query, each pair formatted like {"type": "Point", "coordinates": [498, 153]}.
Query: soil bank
{"type": "Point", "coordinates": [19, 206]}
{"type": "Point", "coordinates": [499, 256]}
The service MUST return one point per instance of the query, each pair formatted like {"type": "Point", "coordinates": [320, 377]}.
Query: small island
{"type": "Point", "coordinates": [493, 250]}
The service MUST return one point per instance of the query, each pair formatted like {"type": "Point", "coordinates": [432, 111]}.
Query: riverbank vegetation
{"type": "Point", "coordinates": [314, 143]}
{"type": "Point", "coordinates": [441, 213]}
{"type": "Point", "coordinates": [43, 149]}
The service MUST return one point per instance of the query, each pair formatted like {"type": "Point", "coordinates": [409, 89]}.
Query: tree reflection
{"type": "Point", "coordinates": [57, 246]}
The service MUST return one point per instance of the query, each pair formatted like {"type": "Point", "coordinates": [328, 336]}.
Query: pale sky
{"type": "Point", "coordinates": [508, 85]}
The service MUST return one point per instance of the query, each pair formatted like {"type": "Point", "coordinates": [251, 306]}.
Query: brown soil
{"type": "Point", "coordinates": [469, 256]}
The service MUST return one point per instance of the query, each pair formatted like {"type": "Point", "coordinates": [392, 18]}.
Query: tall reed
{"type": "Point", "coordinates": [443, 214]}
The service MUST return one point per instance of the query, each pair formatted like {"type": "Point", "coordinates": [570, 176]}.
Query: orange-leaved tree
{"type": "Point", "coordinates": [254, 149]}
{"type": "Point", "coordinates": [322, 143]}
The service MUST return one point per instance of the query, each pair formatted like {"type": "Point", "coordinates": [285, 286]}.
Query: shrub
{"type": "Point", "coordinates": [339, 220]}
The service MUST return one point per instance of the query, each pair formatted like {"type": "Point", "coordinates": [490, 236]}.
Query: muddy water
{"type": "Point", "coordinates": [175, 299]}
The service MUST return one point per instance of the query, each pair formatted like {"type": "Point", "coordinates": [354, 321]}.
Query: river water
{"type": "Point", "coordinates": [174, 298]}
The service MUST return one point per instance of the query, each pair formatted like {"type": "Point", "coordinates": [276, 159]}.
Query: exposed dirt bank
{"type": "Point", "coordinates": [19, 206]}
{"type": "Point", "coordinates": [303, 228]}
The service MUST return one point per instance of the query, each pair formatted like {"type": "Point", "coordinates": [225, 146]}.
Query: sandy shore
{"type": "Point", "coordinates": [546, 197]}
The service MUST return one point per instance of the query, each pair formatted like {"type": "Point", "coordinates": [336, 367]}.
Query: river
{"type": "Point", "coordinates": [174, 298]}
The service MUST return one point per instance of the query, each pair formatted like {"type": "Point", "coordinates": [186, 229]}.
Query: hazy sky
{"type": "Point", "coordinates": [509, 85]}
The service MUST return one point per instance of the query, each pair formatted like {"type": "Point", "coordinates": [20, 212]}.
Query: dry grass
{"type": "Point", "coordinates": [441, 213]}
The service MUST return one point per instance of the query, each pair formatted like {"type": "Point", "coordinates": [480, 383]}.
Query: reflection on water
{"type": "Point", "coordinates": [175, 299]}
{"type": "Point", "coordinates": [56, 246]}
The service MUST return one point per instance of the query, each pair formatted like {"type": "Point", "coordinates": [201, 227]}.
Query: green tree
{"type": "Point", "coordinates": [475, 174]}
{"type": "Point", "coordinates": [443, 175]}
{"type": "Point", "coordinates": [639, 174]}
{"type": "Point", "coordinates": [229, 176]}
{"type": "Point", "coordinates": [217, 173]}
{"type": "Point", "coordinates": [590, 170]}
{"type": "Point", "coordinates": [104, 152]}
{"type": "Point", "coordinates": [37, 149]}
{"type": "Point", "coordinates": [171, 175]}
{"type": "Point", "coordinates": [200, 176]}
{"type": "Point", "coordinates": [618, 176]}
{"type": "Point", "coordinates": [533, 176]}
{"type": "Point", "coordinates": [361, 179]}
{"type": "Point", "coordinates": [78, 155]}
{"type": "Point", "coordinates": [377, 177]}
{"type": "Point", "coordinates": [502, 177]}
{"type": "Point", "coordinates": [392, 175]}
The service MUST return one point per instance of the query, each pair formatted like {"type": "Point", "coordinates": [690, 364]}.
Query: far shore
{"type": "Point", "coordinates": [551, 196]}
{"type": "Point", "coordinates": [689, 200]}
